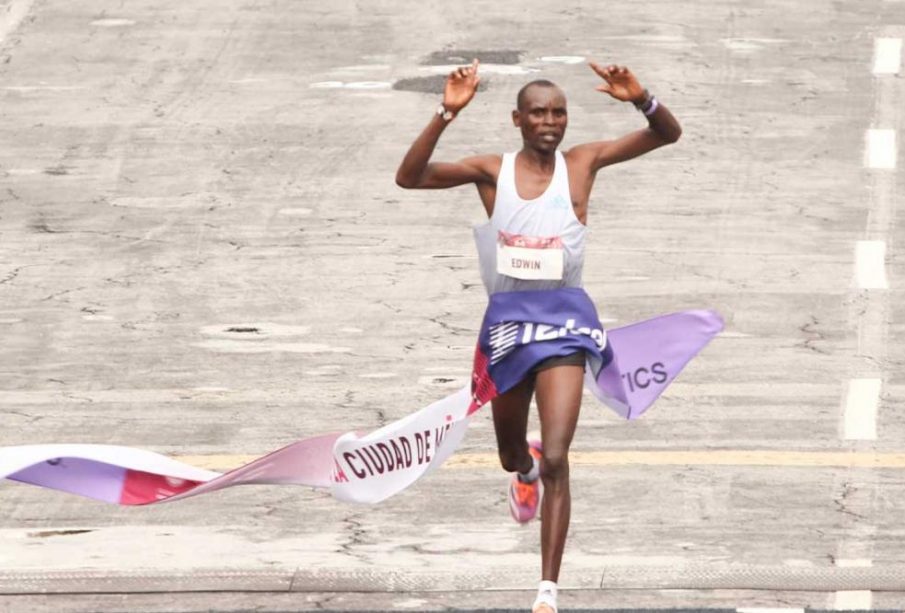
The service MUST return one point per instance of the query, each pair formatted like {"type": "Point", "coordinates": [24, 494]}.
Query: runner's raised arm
{"type": "Point", "coordinates": [663, 128]}
{"type": "Point", "coordinates": [416, 170]}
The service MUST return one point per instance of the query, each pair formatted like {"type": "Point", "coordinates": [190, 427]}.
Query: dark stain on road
{"type": "Point", "coordinates": [46, 533]}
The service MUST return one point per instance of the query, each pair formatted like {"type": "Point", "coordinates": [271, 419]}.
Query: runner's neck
{"type": "Point", "coordinates": [542, 160]}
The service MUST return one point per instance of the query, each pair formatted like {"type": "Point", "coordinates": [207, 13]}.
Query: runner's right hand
{"type": "Point", "coordinates": [461, 85]}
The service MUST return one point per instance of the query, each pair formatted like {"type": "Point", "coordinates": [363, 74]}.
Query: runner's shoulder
{"type": "Point", "coordinates": [584, 152]}
{"type": "Point", "coordinates": [585, 155]}
{"type": "Point", "coordinates": [488, 165]}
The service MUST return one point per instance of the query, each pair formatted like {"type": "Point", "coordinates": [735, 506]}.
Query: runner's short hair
{"type": "Point", "coordinates": [520, 99]}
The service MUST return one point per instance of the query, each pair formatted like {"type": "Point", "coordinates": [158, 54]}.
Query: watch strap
{"type": "Point", "coordinates": [444, 113]}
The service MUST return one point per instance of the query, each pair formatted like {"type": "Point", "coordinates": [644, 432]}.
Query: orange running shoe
{"type": "Point", "coordinates": [524, 498]}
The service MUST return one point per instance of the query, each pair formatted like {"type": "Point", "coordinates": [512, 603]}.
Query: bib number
{"type": "Point", "coordinates": [529, 257]}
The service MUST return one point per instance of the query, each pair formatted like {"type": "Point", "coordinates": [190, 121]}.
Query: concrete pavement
{"type": "Point", "coordinates": [202, 252]}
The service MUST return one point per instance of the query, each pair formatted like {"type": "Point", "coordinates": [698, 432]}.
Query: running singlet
{"type": "Point", "coordinates": [531, 244]}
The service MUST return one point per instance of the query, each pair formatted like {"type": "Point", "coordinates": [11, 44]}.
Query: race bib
{"type": "Point", "coordinates": [529, 257]}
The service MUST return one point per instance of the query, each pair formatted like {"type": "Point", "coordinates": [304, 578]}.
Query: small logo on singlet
{"type": "Point", "coordinates": [559, 202]}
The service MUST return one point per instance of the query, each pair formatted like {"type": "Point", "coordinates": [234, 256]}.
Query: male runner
{"type": "Point", "coordinates": [537, 202]}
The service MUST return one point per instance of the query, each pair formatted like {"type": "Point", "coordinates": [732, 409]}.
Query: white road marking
{"type": "Point", "coordinates": [733, 334]}
{"type": "Point", "coordinates": [97, 317]}
{"type": "Point", "coordinates": [880, 151]}
{"type": "Point", "coordinates": [768, 610]}
{"type": "Point", "coordinates": [368, 85]}
{"type": "Point", "coordinates": [854, 563]}
{"type": "Point", "coordinates": [9, 320]}
{"type": "Point", "coordinates": [364, 67]}
{"type": "Point", "coordinates": [204, 199]}
{"type": "Point", "coordinates": [24, 171]}
{"type": "Point", "coordinates": [231, 346]}
{"type": "Point", "coordinates": [379, 375]}
{"type": "Point", "coordinates": [853, 600]}
{"type": "Point", "coordinates": [870, 265]}
{"type": "Point", "coordinates": [295, 212]}
{"type": "Point", "coordinates": [410, 603]}
{"type": "Point", "coordinates": [113, 23]}
{"type": "Point", "coordinates": [562, 59]}
{"type": "Point", "coordinates": [507, 69]}
{"type": "Point", "coordinates": [887, 56]}
{"type": "Point", "coordinates": [43, 88]}
{"type": "Point", "coordinates": [748, 45]}
{"type": "Point", "coordinates": [798, 563]}
{"type": "Point", "coordinates": [646, 38]}
{"type": "Point", "coordinates": [860, 415]}
{"type": "Point", "coordinates": [351, 85]}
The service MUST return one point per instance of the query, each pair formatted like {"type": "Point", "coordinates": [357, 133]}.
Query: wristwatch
{"type": "Point", "coordinates": [445, 114]}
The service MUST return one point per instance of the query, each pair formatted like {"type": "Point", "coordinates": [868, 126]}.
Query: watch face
{"type": "Point", "coordinates": [448, 115]}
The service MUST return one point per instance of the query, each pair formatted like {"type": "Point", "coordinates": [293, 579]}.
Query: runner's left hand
{"type": "Point", "coordinates": [619, 83]}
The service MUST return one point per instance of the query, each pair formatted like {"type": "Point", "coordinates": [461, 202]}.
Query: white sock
{"type": "Point", "coordinates": [546, 594]}
{"type": "Point", "coordinates": [532, 475]}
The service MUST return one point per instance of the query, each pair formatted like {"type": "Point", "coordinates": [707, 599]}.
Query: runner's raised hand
{"type": "Point", "coordinates": [619, 83]}
{"type": "Point", "coordinates": [461, 85]}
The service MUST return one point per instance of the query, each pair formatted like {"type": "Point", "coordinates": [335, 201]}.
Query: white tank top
{"type": "Point", "coordinates": [531, 244]}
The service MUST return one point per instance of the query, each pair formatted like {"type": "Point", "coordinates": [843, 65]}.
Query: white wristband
{"type": "Point", "coordinates": [654, 105]}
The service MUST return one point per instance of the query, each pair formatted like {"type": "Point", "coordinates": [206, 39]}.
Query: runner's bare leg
{"type": "Point", "coordinates": [510, 421]}
{"type": "Point", "coordinates": [558, 396]}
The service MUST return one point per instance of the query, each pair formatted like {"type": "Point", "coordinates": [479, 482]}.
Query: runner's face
{"type": "Point", "coordinates": [543, 118]}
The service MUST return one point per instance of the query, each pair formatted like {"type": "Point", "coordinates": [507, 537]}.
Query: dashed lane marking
{"type": "Point", "coordinates": [887, 56]}
{"type": "Point", "coordinates": [870, 265]}
{"type": "Point", "coordinates": [881, 149]}
{"type": "Point", "coordinates": [853, 600]}
{"type": "Point", "coordinates": [861, 403]}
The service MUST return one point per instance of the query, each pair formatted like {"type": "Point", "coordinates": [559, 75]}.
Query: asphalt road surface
{"type": "Point", "coordinates": [203, 253]}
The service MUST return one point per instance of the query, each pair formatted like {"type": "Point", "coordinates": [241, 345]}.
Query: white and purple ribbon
{"type": "Point", "coordinates": [628, 368]}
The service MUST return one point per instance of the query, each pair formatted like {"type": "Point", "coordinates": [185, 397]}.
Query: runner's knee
{"type": "Point", "coordinates": [555, 466]}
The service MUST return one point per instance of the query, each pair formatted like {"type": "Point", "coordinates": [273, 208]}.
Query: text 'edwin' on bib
{"type": "Point", "coordinates": [529, 257]}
